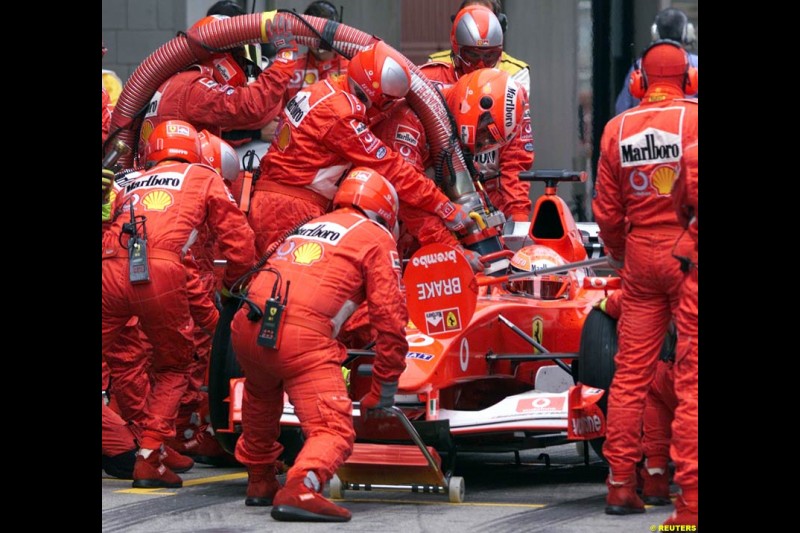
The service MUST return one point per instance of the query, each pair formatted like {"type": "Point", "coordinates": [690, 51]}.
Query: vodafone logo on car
{"type": "Point", "coordinates": [541, 404]}
{"type": "Point", "coordinates": [586, 424]}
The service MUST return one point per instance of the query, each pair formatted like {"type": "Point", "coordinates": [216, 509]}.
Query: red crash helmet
{"type": "Point", "coordinates": [226, 69]}
{"type": "Point", "coordinates": [488, 106]}
{"type": "Point", "coordinates": [476, 39]}
{"type": "Point", "coordinates": [378, 76]}
{"type": "Point", "coordinates": [368, 191]}
{"type": "Point", "coordinates": [545, 287]}
{"type": "Point", "coordinates": [219, 155]}
{"type": "Point", "coordinates": [173, 139]}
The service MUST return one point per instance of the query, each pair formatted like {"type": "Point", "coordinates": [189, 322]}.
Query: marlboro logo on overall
{"type": "Point", "coordinates": [654, 145]}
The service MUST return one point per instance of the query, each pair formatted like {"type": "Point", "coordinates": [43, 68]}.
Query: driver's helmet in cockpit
{"type": "Point", "coordinates": [545, 286]}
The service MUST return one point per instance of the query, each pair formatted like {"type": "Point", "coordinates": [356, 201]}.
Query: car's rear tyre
{"type": "Point", "coordinates": [222, 366]}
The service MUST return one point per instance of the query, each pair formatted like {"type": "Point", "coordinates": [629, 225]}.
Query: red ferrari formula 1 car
{"type": "Point", "coordinates": [493, 362]}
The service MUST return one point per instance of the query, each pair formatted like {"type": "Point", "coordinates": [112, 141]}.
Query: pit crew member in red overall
{"type": "Point", "coordinates": [314, 65]}
{"type": "Point", "coordinates": [518, 69]}
{"type": "Point", "coordinates": [176, 196]}
{"type": "Point", "coordinates": [194, 435]}
{"type": "Point", "coordinates": [324, 271]}
{"type": "Point", "coordinates": [403, 131]}
{"type": "Point", "coordinates": [129, 354]}
{"type": "Point", "coordinates": [477, 42]}
{"type": "Point", "coordinates": [659, 411]}
{"type": "Point", "coordinates": [323, 133]}
{"type": "Point", "coordinates": [317, 64]}
{"type": "Point", "coordinates": [639, 161]}
{"type": "Point", "coordinates": [214, 94]}
{"type": "Point", "coordinates": [684, 426]}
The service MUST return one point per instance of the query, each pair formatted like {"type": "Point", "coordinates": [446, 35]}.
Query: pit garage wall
{"type": "Point", "coordinates": [543, 33]}
{"type": "Point", "coordinates": [133, 29]}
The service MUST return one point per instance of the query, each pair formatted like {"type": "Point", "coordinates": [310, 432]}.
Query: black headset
{"type": "Point", "coordinates": [323, 8]}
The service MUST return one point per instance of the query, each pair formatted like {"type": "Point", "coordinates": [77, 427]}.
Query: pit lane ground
{"type": "Point", "coordinates": [501, 497]}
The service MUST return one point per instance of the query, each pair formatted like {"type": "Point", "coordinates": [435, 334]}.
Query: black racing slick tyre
{"type": "Point", "coordinates": [222, 367]}
{"type": "Point", "coordinates": [596, 354]}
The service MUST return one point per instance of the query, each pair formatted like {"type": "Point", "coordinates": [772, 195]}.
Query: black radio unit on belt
{"type": "Point", "coordinates": [269, 336]}
{"type": "Point", "coordinates": [138, 265]}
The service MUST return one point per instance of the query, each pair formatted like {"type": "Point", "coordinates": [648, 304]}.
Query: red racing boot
{"type": "Point", "coordinates": [261, 485]}
{"type": "Point", "coordinates": [685, 512]}
{"type": "Point", "coordinates": [150, 473]}
{"type": "Point", "coordinates": [203, 446]}
{"type": "Point", "coordinates": [300, 501]}
{"type": "Point", "coordinates": [622, 498]}
{"type": "Point", "coordinates": [655, 490]}
{"type": "Point", "coordinates": [175, 461]}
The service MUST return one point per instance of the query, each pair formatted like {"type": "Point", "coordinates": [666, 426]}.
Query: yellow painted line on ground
{"type": "Point", "coordinates": [149, 492]}
{"type": "Point", "coordinates": [417, 502]}
{"type": "Point", "coordinates": [186, 483]}
{"type": "Point", "coordinates": [215, 479]}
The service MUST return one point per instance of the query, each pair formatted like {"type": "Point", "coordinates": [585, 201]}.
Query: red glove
{"type": "Point", "coordinates": [453, 216]}
{"type": "Point", "coordinates": [379, 395]}
{"type": "Point", "coordinates": [279, 35]}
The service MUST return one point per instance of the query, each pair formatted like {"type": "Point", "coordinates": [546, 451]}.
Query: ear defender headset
{"type": "Point", "coordinates": [638, 81]}
{"type": "Point", "coordinates": [325, 9]}
{"type": "Point", "coordinates": [687, 36]}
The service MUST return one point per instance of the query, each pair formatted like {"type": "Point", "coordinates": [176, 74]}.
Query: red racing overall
{"type": "Point", "coordinates": [176, 198]}
{"type": "Point", "coordinates": [321, 134]}
{"type": "Point", "coordinates": [335, 262]}
{"type": "Point", "coordinates": [640, 151]}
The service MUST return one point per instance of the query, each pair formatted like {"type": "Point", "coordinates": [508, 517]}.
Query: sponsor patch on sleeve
{"type": "Point", "coordinates": [527, 132]}
{"type": "Point", "coordinates": [407, 135]}
{"type": "Point", "coordinates": [406, 152]}
{"type": "Point", "coordinates": [207, 82]}
{"type": "Point", "coordinates": [366, 137]}
{"type": "Point", "coordinates": [358, 126]}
